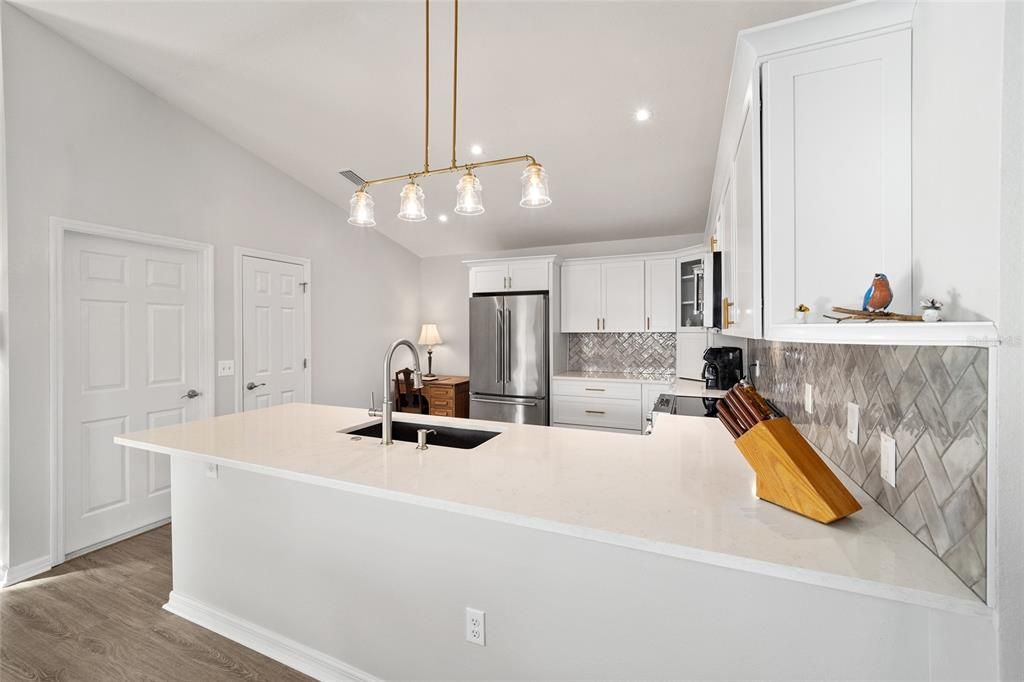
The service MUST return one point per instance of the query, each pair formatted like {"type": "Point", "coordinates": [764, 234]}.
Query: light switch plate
{"type": "Point", "coordinates": [226, 368]}
{"type": "Point", "coordinates": [887, 462]}
{"type": "Point", "coordinates": [809, 399]}
{"type": "Point", "coordinates": [852, 422]}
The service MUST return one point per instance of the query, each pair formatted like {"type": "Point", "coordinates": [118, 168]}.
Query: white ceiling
{"type": "Point", "coordinates": [313, 87]}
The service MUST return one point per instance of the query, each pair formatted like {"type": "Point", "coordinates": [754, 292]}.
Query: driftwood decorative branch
{"type": "Point", "coordinates": [854, 314]}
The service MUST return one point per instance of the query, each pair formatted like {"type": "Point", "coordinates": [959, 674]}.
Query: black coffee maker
{"type": "Point", "coordinates": [723, 369]}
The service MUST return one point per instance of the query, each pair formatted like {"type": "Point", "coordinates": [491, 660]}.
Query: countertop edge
{"type": "Point", "coordinates": [861, 586]}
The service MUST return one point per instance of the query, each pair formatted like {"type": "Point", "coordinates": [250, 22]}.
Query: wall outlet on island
{"type": "Point", "coordinates": [225, 368]}
{"type": "Point", "coordinates": [809, 398]}
{"type": "Point", "coordinates": [852, 422]}
{"type": "Point", "coordinates": [476, 632]}
{"type": "Point", "coordinates": [887, 462]}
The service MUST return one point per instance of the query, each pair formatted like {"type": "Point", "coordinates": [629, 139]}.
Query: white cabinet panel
{"type": "Point", "coordinates": [623, 296]}
{"type": "Point", "coordinates": [745, 241]}
{"type": "Point", "coordinates": [837, 175]}
{"type": "Point", "coordinates": [488, 278]}
{"type": "Point", "coordinates": [625, 390]}
{"type": "Point", "coordinates": [581, 297]}
{"type": "Point", "coordinates": [660, 295]}
{"type": "Point", "coordinates": [528, 275]}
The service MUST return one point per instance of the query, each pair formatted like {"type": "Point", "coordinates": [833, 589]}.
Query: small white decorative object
{"type": "Point", "coordinates": [801, 313]}
{"type": "Point", "coordinates": [930, 310]}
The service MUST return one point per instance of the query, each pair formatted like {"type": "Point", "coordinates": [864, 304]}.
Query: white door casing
{"type": "Point", "coordinates": [274, 332]}
{"type": "Point", "coordinates": [131, 349]}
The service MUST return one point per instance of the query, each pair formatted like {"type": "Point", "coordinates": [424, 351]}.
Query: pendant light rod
{"type": "Point", "coordinates": [455, 82]}
{"type": "Point", "coordinates": [426, 90]}
{"type": "Point", "coordinates": [449, 169]}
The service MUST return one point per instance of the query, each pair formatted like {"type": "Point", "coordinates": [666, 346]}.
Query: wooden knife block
{"type": "Point", "coordinates": [792, 475]}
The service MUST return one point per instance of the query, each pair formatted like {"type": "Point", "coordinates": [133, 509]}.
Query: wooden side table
{"type": "Point", "coordinates": [448, 396]}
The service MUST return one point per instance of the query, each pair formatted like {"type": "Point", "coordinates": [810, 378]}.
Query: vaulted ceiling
{"type": "Point", "coordinates": [314, 87]}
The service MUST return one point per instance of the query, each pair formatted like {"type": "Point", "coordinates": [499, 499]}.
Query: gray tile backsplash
{"type": "Point", "coordinates": [932, 400]}
{"type": "Point", "coordinates": [640, 353]}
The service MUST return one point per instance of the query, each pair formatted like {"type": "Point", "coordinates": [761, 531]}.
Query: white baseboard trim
{"type": "Point", "coordinates": [282, 649]}
{"type": "Point", "coordinates": [15, 574]}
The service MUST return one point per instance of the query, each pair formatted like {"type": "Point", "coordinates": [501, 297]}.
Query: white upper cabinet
{"type": "Point", "coordinates": [528, 275]}
{"type": "Point", "coordinates": [623, 288]}
{"type": "Point", "coordinates": [488, 278]}
{"type": "Point", "coordinates": [837, 176]}
{"type": "Point", "coordinates": [660, 294]}
{"type": "Point", "coordinates": [745, 313]}
{"type": "Point", "coordinates": [581, 297]}
{"type": "Point", "coordinates": [509, 276]}
{"type": "Point", "coordinates": [623, 294]}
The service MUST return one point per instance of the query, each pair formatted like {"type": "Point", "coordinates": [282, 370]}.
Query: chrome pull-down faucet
{"type": "Point", "coordinates": [387, 405]}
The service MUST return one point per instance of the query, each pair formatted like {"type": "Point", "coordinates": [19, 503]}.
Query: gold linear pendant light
{"type": "Point", "coordinates": [469, 192]}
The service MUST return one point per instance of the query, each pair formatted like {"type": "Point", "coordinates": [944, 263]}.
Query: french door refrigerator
{"type": "Point", "coordinates": [508, 358]}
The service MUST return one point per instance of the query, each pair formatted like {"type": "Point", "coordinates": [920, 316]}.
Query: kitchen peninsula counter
{"type": "Point", "coordinates": [684, 491]}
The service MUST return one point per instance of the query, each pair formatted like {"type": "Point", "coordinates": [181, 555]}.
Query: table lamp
{"type": "Point", "coordinates": [429, 337]}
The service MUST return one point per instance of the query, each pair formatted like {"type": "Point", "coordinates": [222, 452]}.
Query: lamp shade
{"type": "Point", "coordinates": [429, 335]}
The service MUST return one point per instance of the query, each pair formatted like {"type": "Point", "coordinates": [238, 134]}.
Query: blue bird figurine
{"type": "Point", "coordinates": [879, 295]}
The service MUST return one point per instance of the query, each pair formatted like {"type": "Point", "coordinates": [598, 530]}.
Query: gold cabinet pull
{"type": "Point", "coordinates": [594, 411]}
{"type": "Point", "coordinates": [726, 303]}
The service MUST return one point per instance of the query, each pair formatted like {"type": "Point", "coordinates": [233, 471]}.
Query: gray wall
{"type": "Point", "coordinates": [86, 143]}
{"type": "Point", "coordinates": [932, 400]}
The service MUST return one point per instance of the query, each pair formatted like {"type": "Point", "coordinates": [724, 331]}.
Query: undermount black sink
{"type": "Point", "coordinates": [446, 436]}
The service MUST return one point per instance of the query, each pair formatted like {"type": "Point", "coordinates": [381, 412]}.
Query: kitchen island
{"type": "Point", "coordinates": [593, 554]}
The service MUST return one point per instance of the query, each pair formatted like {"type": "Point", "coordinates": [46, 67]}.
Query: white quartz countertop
{"type": "Point", "coordinates": [625, 377]}
{"type": "Point", "coordinates": [683, 491]}
{"type": "Point", "coordinates": [689, 388]}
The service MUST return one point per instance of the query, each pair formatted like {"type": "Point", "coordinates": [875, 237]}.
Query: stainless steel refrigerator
{"type": "Point", "coordinates": [508, 358]}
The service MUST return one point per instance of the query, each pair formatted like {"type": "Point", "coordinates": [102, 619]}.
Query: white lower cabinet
{"type": "Point", "coordinates": [614, 405]}
{"type": "Point", "coordinates": [609, 413]}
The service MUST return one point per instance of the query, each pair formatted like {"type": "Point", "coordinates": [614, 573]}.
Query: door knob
{"type": "Point", "coordinates": [252, 386]}
{"type": "Point", "coordinates": [192, 394]}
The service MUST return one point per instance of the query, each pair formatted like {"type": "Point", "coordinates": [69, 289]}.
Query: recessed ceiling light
{"type": "Point", "coordinates": [443, 218]}
{"type": "Point", "coordinates": [476, 150]}
{"type": "Point", "coordinates": [643, 115]}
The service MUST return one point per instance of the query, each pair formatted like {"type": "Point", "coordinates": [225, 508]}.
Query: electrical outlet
{"type": "Point", "coordinates": [476, 632]}
{"type": "Point", "coordinates": [226, 368]}
{"type": "Point", "coordinates": [887, 462]}
{"type": "Point", "coordinates": [757, 369]}
{"type": "Point", "coordinates": [212, 471]}
{"type": "Point", "coordinates": [852, 422]}
{"type": "Point", "coordinates": [809, 399]}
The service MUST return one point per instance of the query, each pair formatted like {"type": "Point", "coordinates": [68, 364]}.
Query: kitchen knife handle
{"type": "Point", "coordinates": [727, 418]}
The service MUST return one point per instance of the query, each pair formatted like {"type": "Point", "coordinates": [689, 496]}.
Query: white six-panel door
{"type": "Point", "coordinates": [273, 333]}
{"type": "Point", "coordinates": [130, 354]}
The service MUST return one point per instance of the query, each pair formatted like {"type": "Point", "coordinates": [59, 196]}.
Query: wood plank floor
{"type": "Point", "coordinates": [99, 617]}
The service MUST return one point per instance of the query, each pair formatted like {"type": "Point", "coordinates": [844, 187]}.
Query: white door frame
{"type": "Point", "coordinates": [305, 263]}
{"type": "Point", "coordinates": [59, 227]}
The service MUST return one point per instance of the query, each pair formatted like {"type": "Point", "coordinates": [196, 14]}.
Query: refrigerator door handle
{"type": "Point", "coordinates": [498, 346]}
{"type": "Point", "coordinates": [495, 401]}
{"type": "Point", "coordinates": [508, 345]}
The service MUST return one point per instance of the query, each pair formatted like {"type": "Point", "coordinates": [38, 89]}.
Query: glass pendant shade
{"type": "Point", "coordinates": [411, 204]}
{"type": "Point", "coordinates": [535, 187]}
{"type": "Point", "coordinates": [470, 197]}
{"type": "Point", "coordinates": [360, 210]}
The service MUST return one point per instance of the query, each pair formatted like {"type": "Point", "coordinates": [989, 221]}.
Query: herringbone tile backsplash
{"type": "Point", "coordinates": [932, 400]}
{"type": "Point", "coordinates": [643, 354]}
